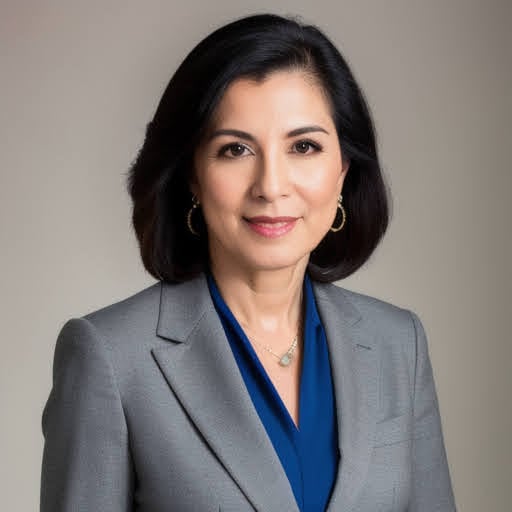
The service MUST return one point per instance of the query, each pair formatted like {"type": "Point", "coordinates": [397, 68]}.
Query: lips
{"type": "Point", "coordinates": [271, 227]}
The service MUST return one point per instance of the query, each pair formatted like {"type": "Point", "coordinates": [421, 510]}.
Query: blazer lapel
{"type": "Point", "coordinates": [202, 372]}
{"type": "Point", "coordinates": [354, 366]}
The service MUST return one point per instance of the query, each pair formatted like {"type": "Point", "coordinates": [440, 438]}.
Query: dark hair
{"type": "Point", "coordinates": [251, 47]}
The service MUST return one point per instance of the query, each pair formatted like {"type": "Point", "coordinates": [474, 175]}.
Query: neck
{"type": "Point", "coordinates": [265, 302]}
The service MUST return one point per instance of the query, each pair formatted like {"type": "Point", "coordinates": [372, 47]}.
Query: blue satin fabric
{"type": "Point", "coordinates": [309, 454]}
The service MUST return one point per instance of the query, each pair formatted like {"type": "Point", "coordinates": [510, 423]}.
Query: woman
{"type": "Point", "coordinates": [243, 379]}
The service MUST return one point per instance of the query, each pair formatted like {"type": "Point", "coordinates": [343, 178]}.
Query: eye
{"type": "Point", "coordinates": [306, 147]}
{"type": "Point", "coordinates": [233, 150]}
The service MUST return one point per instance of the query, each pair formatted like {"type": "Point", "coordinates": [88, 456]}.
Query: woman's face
{"type": "Point", "coordinates": [269, 173]}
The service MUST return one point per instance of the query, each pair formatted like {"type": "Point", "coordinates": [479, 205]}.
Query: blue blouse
{"type": "Point", "coordinates": [309, 454]}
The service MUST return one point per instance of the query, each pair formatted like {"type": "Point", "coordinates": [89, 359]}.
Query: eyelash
{"type": "Point", "coordinates": [224, 149]}
{"type": "Point", "coordinates": [316, 147]}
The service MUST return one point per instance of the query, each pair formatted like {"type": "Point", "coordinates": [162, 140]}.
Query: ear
{"type": "Point", "coordinates": [345, 165]}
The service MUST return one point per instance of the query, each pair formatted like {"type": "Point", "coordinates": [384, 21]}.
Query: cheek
{"type": "Point", "coordinates": [220, 193]}
{"type": "Point", "coordinates": [322, 187]}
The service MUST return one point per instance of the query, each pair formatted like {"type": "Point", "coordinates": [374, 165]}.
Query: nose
{"type": "Point", "coordinates": [271, 178]}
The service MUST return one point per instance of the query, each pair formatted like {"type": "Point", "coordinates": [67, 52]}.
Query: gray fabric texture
{"type": "Point", "coordinates": [148, 411]}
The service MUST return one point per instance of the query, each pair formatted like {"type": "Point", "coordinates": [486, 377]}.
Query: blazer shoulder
{"type": "Point", "coordinates": [127, 322]}
{"type": "Point", "coordinates": [142, 306]}
{"type": "Point", "coordinates": [389, 321]}
{"type": "Point", "coordinates": [375, 305]}
{"type": "Point", "coordinates": [366, 304]}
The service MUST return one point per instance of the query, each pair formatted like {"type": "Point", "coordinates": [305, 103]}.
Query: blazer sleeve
{"type": "Point", "coordinates": [86, 461]}
{"type": "Point", "coordinates": [431, 483]}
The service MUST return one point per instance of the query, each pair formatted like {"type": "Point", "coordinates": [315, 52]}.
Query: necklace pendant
{"type": "Point", "coordinates": [285, 360]}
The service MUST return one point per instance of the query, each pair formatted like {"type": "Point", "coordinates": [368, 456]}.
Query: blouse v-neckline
{"type": "Point", "coordinates": [308, 452]}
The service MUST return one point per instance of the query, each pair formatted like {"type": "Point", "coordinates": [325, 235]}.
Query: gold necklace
{"type": "Point", "coordinates": [285, 359]}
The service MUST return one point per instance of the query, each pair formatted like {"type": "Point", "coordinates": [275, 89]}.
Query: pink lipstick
{"type": "Point", "coordinates": [271, 227]}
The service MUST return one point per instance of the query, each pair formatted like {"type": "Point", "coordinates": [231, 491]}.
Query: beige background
{"type": "Point", "coordinates": [79, 80]}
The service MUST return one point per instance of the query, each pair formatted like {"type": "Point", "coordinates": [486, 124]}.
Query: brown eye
{"type": "Point", "coordinates": [232, 150]}
{"type": "Point", "coordinates": [236, 149]}
{"type": "Point", "coordinates": [304, 146]}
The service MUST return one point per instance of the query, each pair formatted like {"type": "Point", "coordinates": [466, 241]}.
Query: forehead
{"type": "Point", "coordinates": [282, 98]}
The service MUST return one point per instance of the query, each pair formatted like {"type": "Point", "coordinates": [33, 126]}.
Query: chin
{"type": "Point", "coordinates": [275, 262]}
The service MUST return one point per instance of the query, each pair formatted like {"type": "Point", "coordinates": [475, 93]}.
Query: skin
{"type": "Point", "coordinates": [267, 172]}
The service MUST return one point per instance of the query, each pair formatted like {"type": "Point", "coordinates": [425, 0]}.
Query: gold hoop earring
{"type": "Point", "coordinates": [343, 216]}
{"type": "Point", "coordinates": [195, 204]}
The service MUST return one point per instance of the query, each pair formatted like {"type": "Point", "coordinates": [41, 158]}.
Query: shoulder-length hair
{"type": "Point", "coordinates": [159, 179]}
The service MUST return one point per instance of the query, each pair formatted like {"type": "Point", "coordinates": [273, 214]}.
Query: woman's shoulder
{"type": "Point", "coordinates": [136, 317]}
{"type": "Point", "coordinates": [361, 306]}
{"type": "Point", "coordinates": [118, 327]}
{"type": "Point", "coordinates": [139, 308]}
{"type": "Point", "coordinates": [392, 328]}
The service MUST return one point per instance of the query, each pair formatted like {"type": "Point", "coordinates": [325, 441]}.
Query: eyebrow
{"type": "Point", "coordinates": [247, 136]}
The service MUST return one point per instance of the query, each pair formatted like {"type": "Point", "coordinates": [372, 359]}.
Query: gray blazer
{"type": "Point", "coordinates": [148, 412]}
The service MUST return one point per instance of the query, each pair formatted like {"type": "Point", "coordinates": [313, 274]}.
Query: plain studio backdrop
{"type": "Point", "coordinates": [80, 80]}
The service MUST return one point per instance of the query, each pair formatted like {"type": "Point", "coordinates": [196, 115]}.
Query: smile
{"type": "Point", "coordinates": [271, 227]}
